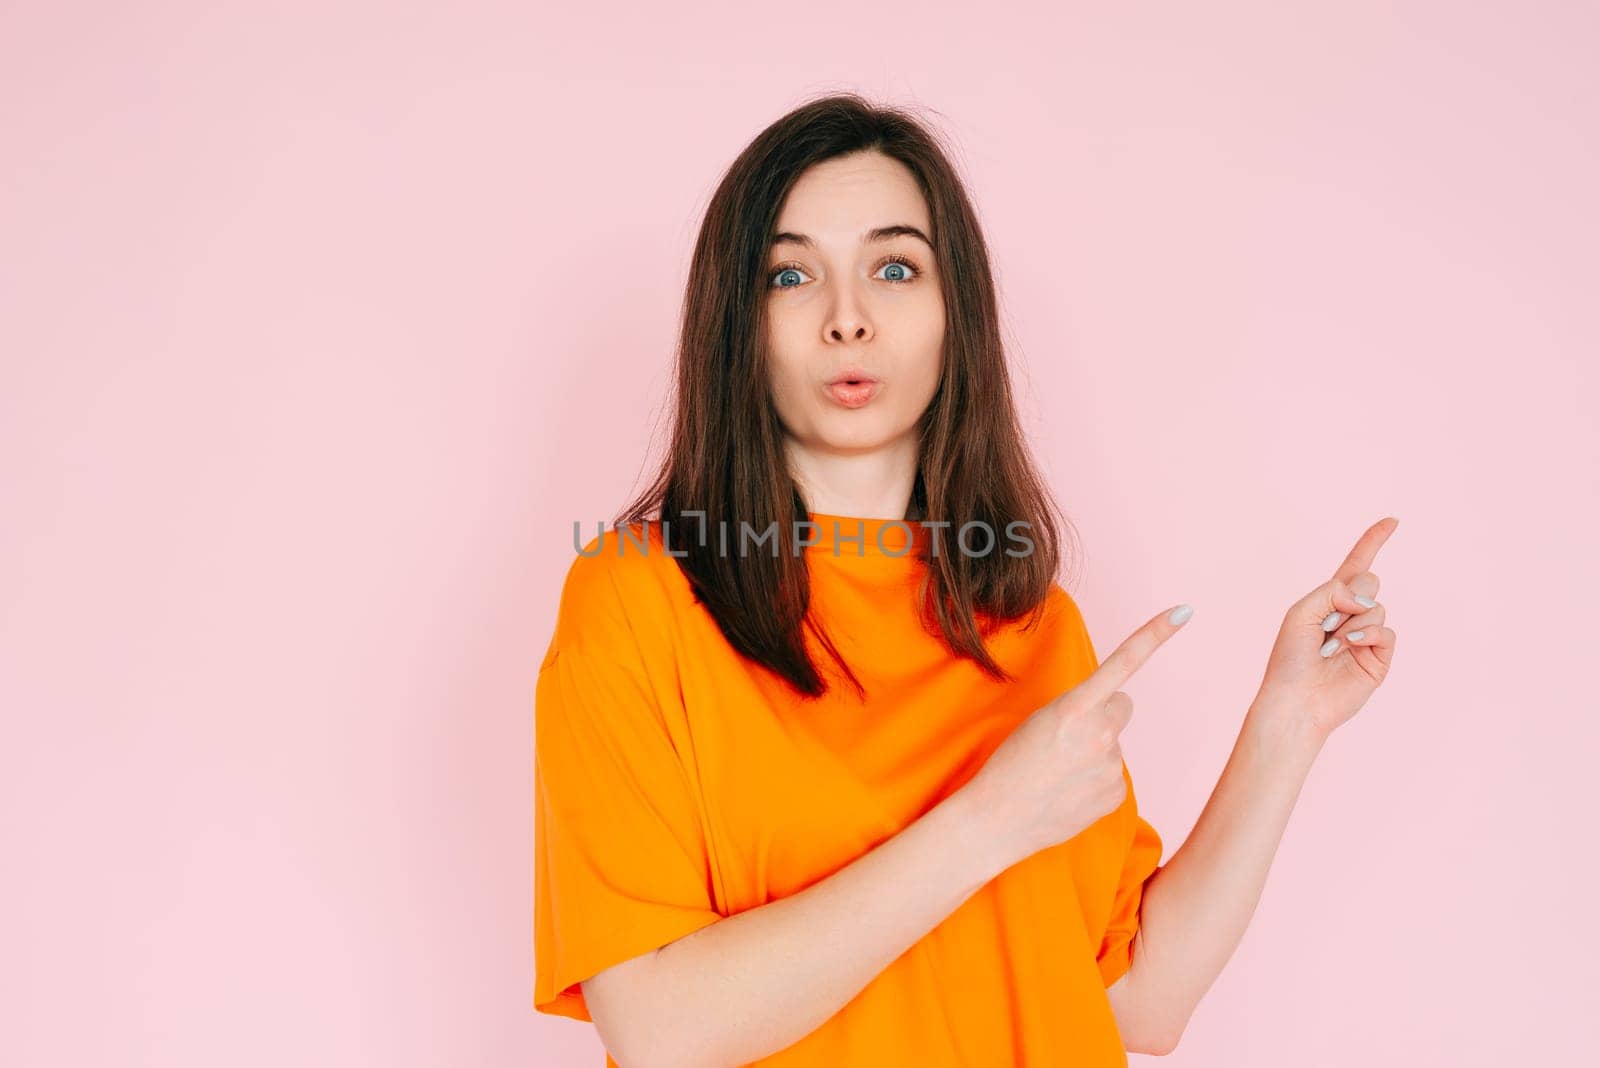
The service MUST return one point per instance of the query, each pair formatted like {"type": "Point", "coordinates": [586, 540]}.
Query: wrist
{"type": "Point", "coordinates": [974, 835]}
{"type": "Point", "coordinates": [1282, 731]}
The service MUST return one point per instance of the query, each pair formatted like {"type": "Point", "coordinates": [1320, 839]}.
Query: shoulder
{"type": "Point", "coordinates": [1070, 623]}
{"type": "Point", "coordinates": [1059, 615]}
{"type": "Point", "coordinates": [1055, 633]}
{"type": "Point", "coordinates": [1061, 604]}
{"type": "Point", "coordinates": [622, 582]}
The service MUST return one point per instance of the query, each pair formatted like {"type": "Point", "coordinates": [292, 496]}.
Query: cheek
{"type": "Point", "coordinates": [920, 319]}
{"type": "Point", "coordinates": [925, 335]}
{"type": "Point", "coordinates": [785, 375]}
{"type": "Point", "coordinates": [922, 382]}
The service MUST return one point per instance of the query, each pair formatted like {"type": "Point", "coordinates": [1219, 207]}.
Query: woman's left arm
{"type": "Point", "coordinates": [1332, 652]}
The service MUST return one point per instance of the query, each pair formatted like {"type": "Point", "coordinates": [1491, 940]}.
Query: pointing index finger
{"type": "Point", "coordinates": [1125, 659]}
{"type": "Point", "coordinates": [1366, 549]}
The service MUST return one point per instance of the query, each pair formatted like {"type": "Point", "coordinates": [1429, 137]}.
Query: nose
{"type": "Point", "coordinates": [848, 318]}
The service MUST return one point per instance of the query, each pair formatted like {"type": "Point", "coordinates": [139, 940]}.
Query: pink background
{"type": "Point", "coordinates": [323, 322]}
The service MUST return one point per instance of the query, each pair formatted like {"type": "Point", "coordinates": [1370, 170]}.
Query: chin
{"type": "Point", "coordinates": [859, 435]}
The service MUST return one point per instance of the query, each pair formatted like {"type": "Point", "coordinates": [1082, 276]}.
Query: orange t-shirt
{"type": "Point", "coordinates": [677, 783]}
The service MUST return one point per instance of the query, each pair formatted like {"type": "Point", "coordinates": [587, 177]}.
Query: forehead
{"type": "Point", "coordinates": [835, 201]}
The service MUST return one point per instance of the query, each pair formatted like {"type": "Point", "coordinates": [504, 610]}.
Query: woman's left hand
{"type": "Point", "coordinates": [1333, 649]}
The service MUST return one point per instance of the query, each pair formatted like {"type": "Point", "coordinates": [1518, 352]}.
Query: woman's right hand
{"type": "Point", "coordinates": [1060, 769]}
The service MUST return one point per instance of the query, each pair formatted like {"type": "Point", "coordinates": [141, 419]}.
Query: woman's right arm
{"type": "Point", "coordinates": [750, 985]}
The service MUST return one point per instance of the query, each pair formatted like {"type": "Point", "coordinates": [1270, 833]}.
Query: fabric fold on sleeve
{"type": "Point", "coordinates": [620, 861]}
{"type": "Point", "coordinates": [1140, 860]}
{"type": "Point", "coordinates": [1115, 955]}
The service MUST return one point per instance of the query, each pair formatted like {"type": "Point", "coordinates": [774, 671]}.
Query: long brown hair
{"type": "Point", "coordinates": [726, 461]}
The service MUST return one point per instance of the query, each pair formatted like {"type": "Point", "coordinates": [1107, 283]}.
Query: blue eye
{"type": "Point", "coordinates": [901, 271]}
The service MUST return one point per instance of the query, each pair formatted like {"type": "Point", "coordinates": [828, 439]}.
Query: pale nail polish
{"type": "Point", "coordinates": [1180, 615]}
{"type": "Point", "coordinates": [1333, 619]}
{"type": "Point", "coordinates": [1366, 602]}
{"type": "Point", "coordinates": [1330, 646]}
{"type": "Point", "coordinates": [1354, 636]}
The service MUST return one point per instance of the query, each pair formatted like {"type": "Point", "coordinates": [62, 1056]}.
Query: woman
{"type": "Point", "coordinates": [827, 767]}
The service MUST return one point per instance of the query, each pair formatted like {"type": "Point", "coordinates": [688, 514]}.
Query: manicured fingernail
{"type": "Point", "coordinates": [1330, 646]}
{"type": "Point", "coordinates": [1180, 615]}
{"type": "Point", "coordinates": [1354, 636]}
{"type": "Point", "coordinates": [1333, 619]}
{"type": "Point", "coordinates": [1366, 602]}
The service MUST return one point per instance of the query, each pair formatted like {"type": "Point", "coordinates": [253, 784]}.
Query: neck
{"type": "Point", "coordinates": [874, 484]}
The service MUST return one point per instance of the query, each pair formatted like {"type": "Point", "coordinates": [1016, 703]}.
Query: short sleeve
{"type": "Point", "coordinates": [620, 862]}
{"type": "Point", "coordinates": [1141, 855]}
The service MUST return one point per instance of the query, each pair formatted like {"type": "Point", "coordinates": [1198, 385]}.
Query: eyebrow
{"type": "Point", "coordinates": [880, 233]}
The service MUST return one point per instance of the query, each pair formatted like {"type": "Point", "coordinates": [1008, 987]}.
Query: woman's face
{"type": "Point", "coordinates": [844, 302]}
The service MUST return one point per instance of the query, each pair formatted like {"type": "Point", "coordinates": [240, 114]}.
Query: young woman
{"type": "Point", "coordinates": [827, 768]}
